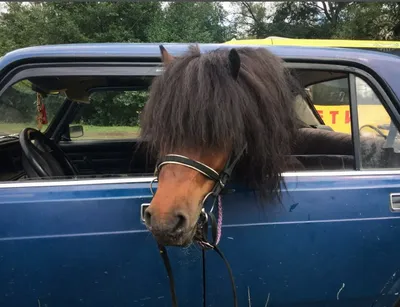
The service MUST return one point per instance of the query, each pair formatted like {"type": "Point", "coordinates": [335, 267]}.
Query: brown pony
{"type": "Point", "coordinates": [207, 107]}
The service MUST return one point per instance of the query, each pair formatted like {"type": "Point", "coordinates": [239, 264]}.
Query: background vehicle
{"type": "Point", "coordinates": [391, 47]}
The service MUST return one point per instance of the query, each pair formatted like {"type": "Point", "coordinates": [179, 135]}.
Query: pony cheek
{"type": "Point", "coordinates": [192, 203]}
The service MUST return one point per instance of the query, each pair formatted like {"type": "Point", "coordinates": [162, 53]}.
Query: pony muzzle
{"type": "Point", "coordinates": [168, 229]}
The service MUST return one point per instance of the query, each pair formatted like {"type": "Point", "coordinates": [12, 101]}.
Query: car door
{"type": "Point", "coordinates": [323, 247]}
{"type": "Point", "coordinates": [81, 242]}
{"type": "Point", "coordinates": [332, 241]}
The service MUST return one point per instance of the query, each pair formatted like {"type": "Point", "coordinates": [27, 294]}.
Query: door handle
{"type": "Point", "coordinates": [395, 201]}
{"type": "Point", "coordinates": [143, 208]}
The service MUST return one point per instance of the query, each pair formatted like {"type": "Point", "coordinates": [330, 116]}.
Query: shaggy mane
{"type": "Point", "coordinates": [196, 103]}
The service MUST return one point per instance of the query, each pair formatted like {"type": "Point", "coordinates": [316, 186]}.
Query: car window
{"type": "Point", "coordinates": [378, 137]}
{"type": "Point", "coordinates": [331, 100]}
{"type": "Point", "coordinates": [19, 108]}
{"type": "Point", "coordinates": [111, 115]}
{"type": "Point", "coordinates": [327, 146]}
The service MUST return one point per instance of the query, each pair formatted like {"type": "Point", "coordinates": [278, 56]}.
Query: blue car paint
{"type": "Point", "coordinates": [83, 246]}
{"type": "Point", "coordinates": [332, 242]}
{"type": "Point", "coordinates": [86, 246]}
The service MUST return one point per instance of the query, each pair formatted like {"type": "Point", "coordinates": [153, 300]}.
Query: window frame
{"type": "Point", "coordinates": [55, 128]}
{"type": "Point", "coordinates": [380, 92]}
{"type": "Point", "coordinates": [380, 87]}
{"type": "Point", "coordinates": [355, 129]}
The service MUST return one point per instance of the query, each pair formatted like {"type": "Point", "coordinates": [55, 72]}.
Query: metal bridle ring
{"type": "Point", "coordinates": [151, 185]}
{"type": "Point", "coordinates": [204, 213]}
{"type": "Point", "coordinates": [204, 200]}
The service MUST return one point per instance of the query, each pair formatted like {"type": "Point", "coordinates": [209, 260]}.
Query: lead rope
{"type": "Point", "coordinates": [202, 242]}
{"type": "Point", "coordinates": [167, 264]}
{"type": "Point", "coordinates": [216, 227]}
{"type": "Point", "coordinates": [203, 257]}
{"type": "Point", "coordinates": [217, 231]}
{"type": "Point", "coordinates": [219, 225]}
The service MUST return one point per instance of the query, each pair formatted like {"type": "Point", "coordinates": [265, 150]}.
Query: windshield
{"type": "Point", "coordinates": [21, 106]}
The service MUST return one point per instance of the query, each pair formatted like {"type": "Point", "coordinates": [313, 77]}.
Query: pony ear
{"type": "Point", "coordinates": [165, 56]}
{"type": "Point", "coordinates": [234, 63]}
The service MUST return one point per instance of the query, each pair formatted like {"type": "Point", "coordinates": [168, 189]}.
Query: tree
{"type": "Point", "coordinates": [290, 19]}
{"type": "Point", "coordinates": [252, 19]}
{"type": "Point", "coordinates": [308, 19]}
{"type": "Point", "coordinates": [21, 26]}
{"type": "Point", "coordinates": [374, 20]}
{"type": "Point", "coordinates": [32, 24]}
{"type": "Point", "coordinates": [202, 22]}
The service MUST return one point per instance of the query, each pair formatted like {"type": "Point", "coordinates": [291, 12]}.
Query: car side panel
{"type": "Point", "coordinates": [84, 245]}
{"type": "Point", "coordinates": [332, 242]}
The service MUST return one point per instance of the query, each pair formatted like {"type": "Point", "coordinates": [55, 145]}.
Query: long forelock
{"type": "Point", "coordinates": [197, 104]}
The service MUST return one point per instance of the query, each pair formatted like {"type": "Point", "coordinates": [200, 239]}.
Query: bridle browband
{"type": "Point", "coordinates": [201, 236]}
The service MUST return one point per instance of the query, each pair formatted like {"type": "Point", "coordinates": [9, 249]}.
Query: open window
{"type": "Point", "coordinates": [351, 107]}
{"type": "Point", "coordinates": [93, 116]}
{"type": "Point", "coordinates": [92, 119]}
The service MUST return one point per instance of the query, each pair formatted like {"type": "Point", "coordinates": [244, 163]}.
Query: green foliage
{"type": "Point", "coordinates": [191, 22]}
{"type": "Point", "coordinates": [302, 20]}
{"type": "Point", "coordinates": [113, 108]}
{"type": "Point", "coordinates": [309, 19]}
{"type": "Point", "coordinates": [18, 104]}
{"type": "Point", "coordinates": [370, 20]}
{"type": "Point", "coordinates": [29, 24]}
{"type": "Point", "coordinates": [32, 23]}
{"type": "Point", "coordinates": [287, 19]}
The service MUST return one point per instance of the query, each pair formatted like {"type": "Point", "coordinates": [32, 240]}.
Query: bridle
{"type": "Point", "coordinates": [205, 218]}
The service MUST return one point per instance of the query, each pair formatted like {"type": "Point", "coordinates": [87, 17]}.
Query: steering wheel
{"type": "Point", "coordinates": [43, 158]}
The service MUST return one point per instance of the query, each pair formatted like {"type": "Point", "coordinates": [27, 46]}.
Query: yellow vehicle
{"type": "Point", "coordinates": [335, 111]}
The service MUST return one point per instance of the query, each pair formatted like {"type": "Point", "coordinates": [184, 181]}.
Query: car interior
{"type": "Point", "coordinates": [54, 154]}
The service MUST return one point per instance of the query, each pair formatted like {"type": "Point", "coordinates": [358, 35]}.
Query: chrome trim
{"type": "Point", "coordinates": [59, 183]}
{"type": "Point", "coordinates": [143, 208]}
{"type": "Point", "coordinates": [283, 223]}
{"type": "Point", "coordinates": [342, 173]}
{"type": "Point", "coordinates": [394, 207]}
{"type": "Point", "coordinates": [73, 235]}
{"type": "Point", "coordinates": [362, 219]}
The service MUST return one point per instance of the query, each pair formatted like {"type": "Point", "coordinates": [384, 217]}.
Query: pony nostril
{"type": "Point", "coordinates": [147, 217]}
{"type": "Point", "coordinates": [181, 221]}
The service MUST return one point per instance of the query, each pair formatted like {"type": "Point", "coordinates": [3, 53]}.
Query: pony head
{"type": "Point", "coordinates": [207, 108]}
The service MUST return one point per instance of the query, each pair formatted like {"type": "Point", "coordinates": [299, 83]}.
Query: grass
{"type": "Point", "coordinates": [90, 132]}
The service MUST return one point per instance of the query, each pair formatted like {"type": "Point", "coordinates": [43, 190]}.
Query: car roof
{"type": "Point", "coordinates": [386, 65]}
{"type": "Point", "coordinates": [151, 50]}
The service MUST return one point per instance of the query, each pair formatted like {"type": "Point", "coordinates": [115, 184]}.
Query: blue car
{"type": "Point", "coordinates": [74, 185]}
